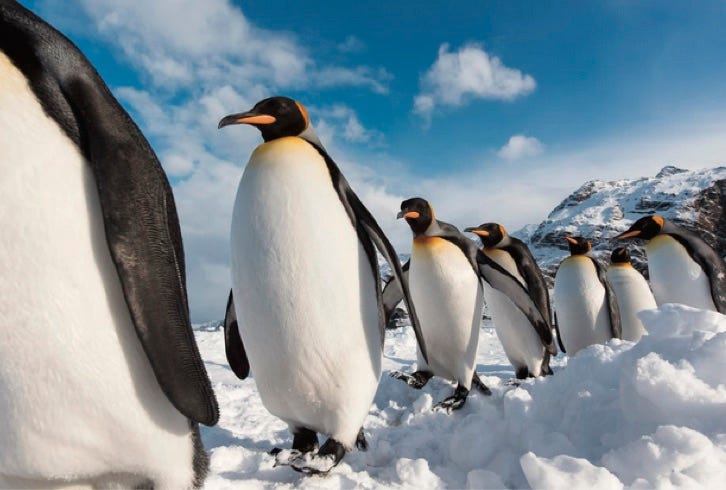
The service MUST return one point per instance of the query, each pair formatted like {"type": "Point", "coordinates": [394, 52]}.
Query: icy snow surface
{"type": "Point", "coordinates": [624, 415]}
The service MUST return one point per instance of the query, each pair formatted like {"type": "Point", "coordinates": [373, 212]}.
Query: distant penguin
{"type": "Point", "coordinates": [632, 293]}
{"type": "Point", "coordinates": [445, 287]}
{"type": "Point", "coordinates": [682, 267]}
{"type": "Point", "coordinates": [528, 349]}
{"type": "Point", "coordinates": [101, 381]}
{"type": "Point", "coordinates": [306, 313]}
{"type": "Point", "coordinates": [585, 305]}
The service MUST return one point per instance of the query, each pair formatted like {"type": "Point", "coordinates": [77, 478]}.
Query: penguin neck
{"type": "Point", "coordinates": [432, 230]}
{"type": "Point", "coordinates": [310, 136]}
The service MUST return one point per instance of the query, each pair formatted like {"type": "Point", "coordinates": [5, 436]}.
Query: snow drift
{"type": "Point", "coordinates": [613, 416]}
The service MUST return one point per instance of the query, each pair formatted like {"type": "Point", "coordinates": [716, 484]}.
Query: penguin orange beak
{"type": "Point", "coordinates": [480, 232]}
{"type": "Point", "coordinates": [627, 234]}
{"type": "Point", "coordinates": [246, 118]}
{"type": "Point", "coordinates": [408, 214]}
{"type": "Point", "coordinates": [571, 240]}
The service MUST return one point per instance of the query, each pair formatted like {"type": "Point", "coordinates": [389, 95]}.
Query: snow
{"type": "Point", "coordinates": [644, 415]}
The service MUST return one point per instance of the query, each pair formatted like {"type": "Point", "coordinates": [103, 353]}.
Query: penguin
{"type": "Point", "coordinates": [682, 267]}
{"type": "Point", "coordinates": [445, 287]}
{"type": "Point", "coordinates": [527, 349]}
{"type": "Point", "coordinates": [305, 313]}
{"type": "Point", "coordinates": [632, 293]}
{"type": "Point", "coordinates": [585, 305]}
{"type": "Point", "coordinates": [101, 381]}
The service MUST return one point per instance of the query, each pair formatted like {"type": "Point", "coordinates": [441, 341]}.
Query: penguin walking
{"type": "Point", "coordinates": [585, 305]}
{"type": "Point", "coordinates": [682, 267]}
{"type": "Point", "coordinates": [305, 312]}
{"type": "Point", "coordinates": [527, 348]}
{"type": "Point", "coordinates": [445, 287]}
{"type": "Point", "coordinates": [101, 381]}
{"type": "Point", "coordinates": [632, 292]}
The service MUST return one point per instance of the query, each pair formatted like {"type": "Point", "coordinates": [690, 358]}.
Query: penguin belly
{"type": "Point", "coordinates": [675, 276]}
{"type": "Point", "coordinates": [448, 299]}
{"type": "Point", "coordinates": [520, 340]}
{"type": "Point", "coordinates": [581, 305]}
{"type": "Point", "coordinates": [506, 261]}
{"type": "Point", "coordinates": [634, 296]}
{"type": "Point", "coordinates": [305, 293]}
{"type": "Point", "coordinates": [78, 397]}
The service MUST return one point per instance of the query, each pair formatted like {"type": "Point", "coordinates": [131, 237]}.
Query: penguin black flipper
{"type": "Point", "coordinates": [139, 215]}
{"type": "Point", "coordinates": [559, 337]}
{"type": "Point", "coordinates": [532, 275]}
{"type": "Point", "coordinates": [370, 234]}
{"type": "Point", "coordinates": [233, 346]}
{"type": "Point", "coordinates": [616, 326]}
{"type": "Point", "coordinates": [499, 279]}
{"type": "Point", "coordinates": [392, 293]}
{"type": "Point", "coordinates": [710, 261]}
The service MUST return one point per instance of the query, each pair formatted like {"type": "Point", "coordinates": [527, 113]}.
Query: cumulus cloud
{"type": "Point", "coordinates": [520, 146]}
{"type": "Point", "coordinates": [469, 73]}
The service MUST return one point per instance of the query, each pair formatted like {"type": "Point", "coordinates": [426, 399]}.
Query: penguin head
{"type": "Point", "coordinates": [490, 234]}
{"type": "Point", "coordinates": [275, 117]}
{"type": "Point", "coordinates": [620, 255]}
{"type": "Point", "coordinates": [418, 214]}
{"type": "Point", "coordinates": [578, 245]}
{"type": "Point", "coordinates": [646, 228]}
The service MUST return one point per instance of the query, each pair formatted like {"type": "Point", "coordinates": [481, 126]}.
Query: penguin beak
{"type": "Point", "coordinates": [248, 117]}
{"type": "Point", "coordinates": [627, 234]}
{"type": "Point", "coordinates": [408, 214]}
{"type": "Point", "coordinates": [571, 240]}
{"type": "Point", "coordinates": [478, 232]}
{"type": "Point", "coordinates": [469, 230]}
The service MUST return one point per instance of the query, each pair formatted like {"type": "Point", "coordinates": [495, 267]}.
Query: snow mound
{"type": "Point", "coordinates": [644, 415]}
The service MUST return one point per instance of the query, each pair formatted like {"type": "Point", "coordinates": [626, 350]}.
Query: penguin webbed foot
{"type": "Point", "coordinates": [415, 380]}
{"type": "Point", "coordinates": [320, 463]}
{"type": "Point", "coordinates": [454, 402]}
{"type": "Point", "coordinates": [360, 441]}
{"type": "Point", "coordinates": [303, 441]}
{"type": "Point", "coordinates": [476, 381]}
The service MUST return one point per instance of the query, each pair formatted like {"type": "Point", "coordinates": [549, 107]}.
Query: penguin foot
{"type": "Point", "coordinates": [304, 440]}
{"type": "Point", "coordinates": [523, 373]}
{"type": "Point", "coordinates": [513, 382]}
{"type": "Point", "coordinates": [360, 441]}
{"type": "Point", "coordinates": [476, 381]}
{"type": "Point", "coordinates": [454, 402]}
{"type": "Point", "coordinates": [329, 455]}
{"type": "Point", "coordinates": [416, 380]}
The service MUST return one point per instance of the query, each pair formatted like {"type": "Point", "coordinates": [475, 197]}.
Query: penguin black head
{"type": "Point", "coordinates": [490, 234]}
{"type": "Point", "coordinates": [418, 213]}
{"type": "Point", "coordinates": [646, 228]}
{"type": "Point", "coordinates": [620, 255]}
{"type": "Point", "coordinates": [578, 245]}
{"type": "Point", "coordinates": [275, 117]}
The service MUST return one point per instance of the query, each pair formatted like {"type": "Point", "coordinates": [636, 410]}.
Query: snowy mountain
{"type": "Point", "coordinates": [598, 210]}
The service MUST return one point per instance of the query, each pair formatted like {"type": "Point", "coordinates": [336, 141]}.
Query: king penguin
{"type": "Point", "coordinates": [632, 293]}
{"type": "Point", "coordinates": [306, 314]}
{"type": "Point", "coordinates": [585, 304]}
{"type": "Point", "coordinates": [682, 267]}
{"type": "Point", "coordinates": [101, 381]}
{"type": "Point", "coordinates": [527, 348]}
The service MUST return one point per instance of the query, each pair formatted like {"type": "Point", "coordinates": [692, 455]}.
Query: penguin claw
{"type": "Point", "coordinates": [361, 442]}
{"type": "Point", "coordinates": [416, 380]}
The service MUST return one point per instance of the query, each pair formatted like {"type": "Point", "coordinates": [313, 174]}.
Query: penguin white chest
{"type": "Point", "coordinates": [506, 261]}
{"type": "Point", "coordinates": [77, 393]}
{"type": "Point", "coordinates": [305, 293]}
{"type": "Point", "coordinates": [580, 304]}
{"type": "Point", "coordinates": [675, 276]}
{"type": "Point", "coordinates": [633, 295]}
{"type": "Point", "coordinates": [448, 299]}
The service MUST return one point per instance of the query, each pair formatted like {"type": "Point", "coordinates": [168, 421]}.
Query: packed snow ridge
{"type": "Point", "coordinates": [651, 414]}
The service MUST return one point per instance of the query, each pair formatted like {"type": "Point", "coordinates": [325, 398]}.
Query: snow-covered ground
{"type": "Point", "coordinates": [644, 415]}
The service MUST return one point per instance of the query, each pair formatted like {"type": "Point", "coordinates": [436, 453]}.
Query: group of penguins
{"type": "Point", "coordinates": [101, 380]}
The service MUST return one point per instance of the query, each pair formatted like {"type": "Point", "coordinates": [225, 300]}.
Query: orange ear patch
{"type": "Point", "coordinates": [304, 112]}
{"type": "Point", "coordinates": [659, 220]}
{"type": "Point", "coordinates": [502, 231]}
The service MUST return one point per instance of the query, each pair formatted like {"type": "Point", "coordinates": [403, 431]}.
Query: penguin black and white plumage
{"type": "Point", "coordinates": [445, 287]}
{"type": "Point", "coordinates": [526, 347]}
{"type": "Point", "coordinates": [682, 267]}
{"type": "Point", "coordinates": [101, 381]}
{"type": "Point", "coordinates": [305, 287]}
{"type": "Point", "coordinates": [632, 292]}
{"type": "Point", "coordinates": [585, 304]}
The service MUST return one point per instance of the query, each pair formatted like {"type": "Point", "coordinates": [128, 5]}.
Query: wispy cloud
{"type": "Point", "coordinates": [520, 146]}
{"type": "Point", "coordinates": [469, 73]}
{"type": "Point", "coordinates": [351, 45]}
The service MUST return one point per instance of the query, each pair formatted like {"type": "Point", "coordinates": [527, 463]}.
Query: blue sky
{"type": "Point", "coordinates": [494, 111]}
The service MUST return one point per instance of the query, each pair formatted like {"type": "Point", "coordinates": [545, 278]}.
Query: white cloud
{"type": "Point", "coordinates": [470, 72]}
{"type": "Point", "coordinates": [351, 45]}
{"type": "Point", "coordinates": [520, 146]}
{"type": "Point", "coordinates": [344, 120]}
